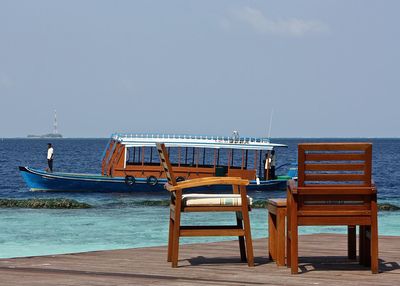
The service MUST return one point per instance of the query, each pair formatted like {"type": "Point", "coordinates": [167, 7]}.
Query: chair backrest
{"type": "Point", "coordinates": [335, 164]}
{"type": "Point", "coordinates": [334, 178]}
{"type": "Point", "coordinates": [166, 164]}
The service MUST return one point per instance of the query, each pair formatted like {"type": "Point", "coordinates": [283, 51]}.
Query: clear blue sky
{"type": "Point", "coordinates": [325, 68]}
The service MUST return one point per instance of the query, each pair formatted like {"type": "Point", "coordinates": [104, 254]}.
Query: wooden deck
{"type": "Point", "coordinates": [206, 264]}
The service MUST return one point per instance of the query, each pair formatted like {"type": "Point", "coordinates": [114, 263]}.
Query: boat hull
{"type": "Point", "coordinates": [38, 180]}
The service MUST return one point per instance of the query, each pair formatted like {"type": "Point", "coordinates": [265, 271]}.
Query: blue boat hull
{"type": "Point", "coordinates": [38, 180]}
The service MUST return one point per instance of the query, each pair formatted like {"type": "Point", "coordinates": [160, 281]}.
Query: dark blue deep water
{"type": "Point", "coordinates": [116, 221]}
{"type": "Point", "coordinates": [84, 156]}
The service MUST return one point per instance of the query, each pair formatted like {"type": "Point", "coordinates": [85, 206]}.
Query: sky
{"type": "Point", "coordinates": [305, 68]}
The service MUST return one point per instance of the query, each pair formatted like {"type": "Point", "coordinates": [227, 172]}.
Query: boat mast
{"type": "Point", "coordinates": [55, 131]}
{"type": "Point", "coordinates": [270, 125]}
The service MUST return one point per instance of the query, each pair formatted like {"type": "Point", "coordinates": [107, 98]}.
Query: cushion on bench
{"type": "Point", "coordinates": [191, 200]}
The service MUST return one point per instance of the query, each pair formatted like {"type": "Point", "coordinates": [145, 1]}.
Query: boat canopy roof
{"type": "Point", "coordinates": [216, 142]}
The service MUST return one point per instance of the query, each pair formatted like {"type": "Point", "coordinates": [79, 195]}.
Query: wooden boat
{"type": "Point", "coordinates": [130, 163]}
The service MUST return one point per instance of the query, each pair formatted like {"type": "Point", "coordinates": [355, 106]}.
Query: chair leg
{"type": "Point", "coordinates": [373, 249]}
{"type": "Point", "coordinates": [294, 249]}
{"type": "Point", "coordinates": [176, 229]}
{"type": "Point", "coordinates": [170, 238]}
{"type": "Point", "coordinates": [248, 241]}
{"type": "Point", "coordinates": [294, 236]}
{"type": "Point", "coordinates": [242, 246]}
{"type": "Point", "coordinates": [288, 234]}
{"type": "Point", "coordinates": [247, 229]}
{"type": "Point", "coordinates": [362, 244]}
{"type": "Point", "coordinates": [374, 243]}
{"type": "Point", "coordinates": [280, 238]}
{"type": "Point", "coordinates": [351, 242]}
{"type": "Point", "coordinates": [367, 244]}
{"type": "Point", "coordinates": [175, 243]}
{"type": "Point", "coordinates": [272, 236]}
{"type": "Point", "coordinates": [288, 249]}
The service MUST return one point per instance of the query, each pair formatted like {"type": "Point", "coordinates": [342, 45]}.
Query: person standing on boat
{"type": "Point", "coordinates": [267, 165]}
{"type": "Point", "coordinates": [272, 166]}
{"type": "Point", "coordinates": [50, 154]}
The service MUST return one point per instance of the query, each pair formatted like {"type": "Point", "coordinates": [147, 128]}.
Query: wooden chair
{"type": "Point", "coordinates": [194, 202]}
{"type": "Point", "coordinates": [334, 188]}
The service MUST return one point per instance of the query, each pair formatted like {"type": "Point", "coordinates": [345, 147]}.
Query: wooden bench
{"type": "Point", "coordinates": [276, 230]}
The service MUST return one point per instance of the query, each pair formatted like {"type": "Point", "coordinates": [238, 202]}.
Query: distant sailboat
{"type": "Point", "coordinates": [55, 133]}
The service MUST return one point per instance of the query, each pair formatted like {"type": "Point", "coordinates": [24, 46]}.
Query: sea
{"type": "Point", "coordinates": [125, 220]}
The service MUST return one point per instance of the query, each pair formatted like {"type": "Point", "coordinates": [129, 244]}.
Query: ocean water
{"type": "Point", "coordinates": [119, 220]}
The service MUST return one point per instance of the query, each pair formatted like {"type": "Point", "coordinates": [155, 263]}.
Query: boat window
{"type": "Point", "coordinates": [128, 154]}
{"type": "Point", "coordinates": [188, 156]}
{"type": "Point", "coordinates": [173, 154]}
{"type": "Point", "coordinates": [236, 158]}
{"type": "Point", "coordinates": [200, 156]}
{"type": "Point", "coordinates": [206, 157]}
{"type": "Point", "coordinates": [250, 159]}
{"type": "Point", "coordinates": [229, 157]}
{"type": "Point", "coordinates": [134, 155]}
{"type": "Point", "coordinates": [151, 156]}
{"type": "Point", "coordinates": [257, 157]}
{"type": "Point", "coordinates": [246, 158]}
{"type": "Point", "coordinates": [222, 157]}
{"type": "Point", "coordinates": [261, 164]}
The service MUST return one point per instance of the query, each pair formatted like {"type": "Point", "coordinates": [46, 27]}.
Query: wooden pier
{"type": "Point", "coordinates": [323, 261]}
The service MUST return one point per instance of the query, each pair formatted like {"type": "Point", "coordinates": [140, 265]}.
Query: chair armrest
{"type": "Point", "coordinates": [291, 185]}
{"type": "Point", "coordinates": [207, 182]}
{"type": "Point", "coordinates": [204, 179]}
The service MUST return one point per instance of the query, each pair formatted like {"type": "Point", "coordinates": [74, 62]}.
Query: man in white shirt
{"type": "Point", "coordinates": [50, 153]}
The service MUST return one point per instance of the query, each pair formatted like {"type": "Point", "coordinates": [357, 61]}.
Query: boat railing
{"type": "Point", "coordinates": [219, 139]}
{"type": "Point", "coordinates": [110, 154]}
{"type": "Point", "coordinates": [105, 149]}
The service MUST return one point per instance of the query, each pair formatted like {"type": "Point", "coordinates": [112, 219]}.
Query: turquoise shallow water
{"type": "Point", "coordinates": [41, 232]}
{"type": "Point", "coordinates": [115, 221]}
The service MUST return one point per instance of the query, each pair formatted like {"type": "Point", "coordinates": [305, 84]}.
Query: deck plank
{"type": "Point", "coordinates": [322, 259]}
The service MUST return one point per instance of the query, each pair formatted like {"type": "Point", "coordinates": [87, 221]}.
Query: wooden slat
{"type": "Point", "coordinates": [334, 177]}
{"type": "Point", "coordinates": [343, 208]}
{"type": "Point", "coordinates": [334, 220]}
{"type": "Point", "coordinates": [334, 167]}
{"type": "Point", "coordinates": [339, 189]}
{"type": "Point", "coordinates": [334, 157]}
{"type": "Point", "coordinates": [211, 231]}
{"type": "Point", "coordinates": [339, 212]}
{"type": "Point", "coordinates": [344, 146]}
{"type": "Point", "coordinates": [336, 197]}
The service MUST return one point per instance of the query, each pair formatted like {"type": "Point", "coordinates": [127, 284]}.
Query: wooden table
{"type": "Point", "coordinates": [276, 230]}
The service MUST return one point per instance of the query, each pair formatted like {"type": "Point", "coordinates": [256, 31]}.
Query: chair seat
{"type": "Point", "coordinates": [202, 200]}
